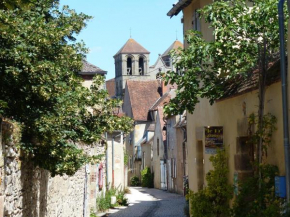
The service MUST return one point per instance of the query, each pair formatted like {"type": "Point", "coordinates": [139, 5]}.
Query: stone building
{"type": "Point", "coordinates": [29, 191]}
{"type": "Point", "coordinates": [131, 62]}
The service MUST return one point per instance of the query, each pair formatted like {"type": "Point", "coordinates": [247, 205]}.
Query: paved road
{"type": "Point", "coordinates": [146, 202]}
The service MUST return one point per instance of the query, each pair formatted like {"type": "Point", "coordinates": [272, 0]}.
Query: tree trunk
{"type": "Point", "coordinates": [263, 65]}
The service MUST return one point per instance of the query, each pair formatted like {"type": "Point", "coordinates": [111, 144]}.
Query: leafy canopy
{"type": "Point", "coordinates": [205, 67]}
{"type": "Point", "coordinates": [40, 87]}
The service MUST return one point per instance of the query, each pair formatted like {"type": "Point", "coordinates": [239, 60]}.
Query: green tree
{"type": "Point", "coordinates": [246, 37]}
{"type": "Point", "coordinates": [40, 87]}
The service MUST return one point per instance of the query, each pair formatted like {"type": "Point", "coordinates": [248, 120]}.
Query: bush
{"type": "Point", "coordinates": [257, 198]}
{"type": "Point", "coordinates": [104, 202]}
{"type": "Point", "coordinates": [121, 199]}
{"type": "Point", "coordinates": [213, 200]}
{"type": "Point", "coordinates": [134, 181]}
{"type": "Point", "coordinates": [127, 191]}
{"type": "Point", "coordinates": [147, 178]}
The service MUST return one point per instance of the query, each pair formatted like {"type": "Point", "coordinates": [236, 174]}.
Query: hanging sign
{"type": "Point", "coordinates": [213, 139]}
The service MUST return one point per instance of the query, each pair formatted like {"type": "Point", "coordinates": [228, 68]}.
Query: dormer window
{"type": "Point", "coordinates": [141, 66]}
{"type": "Point", "coordinates": [129, 66]}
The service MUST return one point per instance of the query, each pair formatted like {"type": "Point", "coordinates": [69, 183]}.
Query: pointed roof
{"type": "Point", "coordinates": [132, 47]}
{"type": "Point", "coordinates": [90, 69]}
{"type": "Point", "coordinates": [176, 44]}
{"type": "Point", "coordinates": [142, 96]}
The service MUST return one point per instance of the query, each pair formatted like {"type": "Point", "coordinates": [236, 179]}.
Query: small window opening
{"type": "Point", "coordinates": [141, 66]}
{"type": "Point", "coordinates": [129, 66]}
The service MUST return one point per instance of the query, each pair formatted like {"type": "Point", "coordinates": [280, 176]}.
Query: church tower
{"type": "Point", "coordinates": [131, 62]}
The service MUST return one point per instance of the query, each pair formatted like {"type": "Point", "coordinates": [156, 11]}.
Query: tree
{"type": "Point", "coordinates": [40, 87]}
{"type": "Point", "coordinates": [246, 37]}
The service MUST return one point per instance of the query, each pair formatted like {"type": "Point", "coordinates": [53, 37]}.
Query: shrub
{"type": "Point", "coordinates": [257, 198]}
{"type": "Point", "coordinates": [121, 199]}
{"type": "Point", "coordinates": [134, 181]}
{"type": "Point", "coordinates": [213, 200]}
{"type": "Point", "coordinates": [127, 191]}
{"type": "Point", "coordinates": [104, 201]}
{"type": "Point", "coordinates": [147, 178]}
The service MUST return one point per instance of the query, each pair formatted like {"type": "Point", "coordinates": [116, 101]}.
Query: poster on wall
{"type": "Point", "coordinates": [213, 139]}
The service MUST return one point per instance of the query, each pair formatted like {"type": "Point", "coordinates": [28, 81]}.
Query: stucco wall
{"type": "Point", "coordinates": [118, 160]}
{"type": "Point", "coordinates": [156, 157]}
{"type": "Point", "coordinates": [230, 113]}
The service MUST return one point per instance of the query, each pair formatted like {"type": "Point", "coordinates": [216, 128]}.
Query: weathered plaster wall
{"type": "Point", "coordinates": [118, 160]}
{"type": "Point", "coordinates": [230, 113]}
{"type": "Point", "coordinates": [157, 157]}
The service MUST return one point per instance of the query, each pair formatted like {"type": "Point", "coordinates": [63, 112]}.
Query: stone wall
{"type": "Point", "coordinates": [29, 191]}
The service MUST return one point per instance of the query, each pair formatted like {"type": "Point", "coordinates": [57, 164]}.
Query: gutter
{"type": "Point", "coordinates": [178, 7]}
{"type": "Point", "coordinates": [284, 93]}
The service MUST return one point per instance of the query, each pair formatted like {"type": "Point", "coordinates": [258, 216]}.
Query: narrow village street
{"type": "Point", "coordinates": [144, 202]}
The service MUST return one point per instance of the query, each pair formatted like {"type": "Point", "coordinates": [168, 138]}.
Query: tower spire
{"type": "Point", "coordinates": [130, 33]}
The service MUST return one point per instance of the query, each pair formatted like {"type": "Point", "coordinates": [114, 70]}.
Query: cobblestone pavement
{"type": "Point", "coordinates": [146, 202]}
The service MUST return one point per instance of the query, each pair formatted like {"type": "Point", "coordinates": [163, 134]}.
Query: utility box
{"type": "Point", "coordinates": [280, 186]}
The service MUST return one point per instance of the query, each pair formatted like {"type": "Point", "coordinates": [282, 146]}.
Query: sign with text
{"type": "Point", "coordinates": [213, 139]}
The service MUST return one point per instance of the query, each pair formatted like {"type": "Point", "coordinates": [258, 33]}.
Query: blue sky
{"type": "Point", "coordinates": [109, 30]}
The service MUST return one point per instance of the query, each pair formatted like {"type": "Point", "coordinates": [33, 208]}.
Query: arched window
{"type": "Point", "coordinates": [129, 66]}
{"type": "Point", "coordinates": [141, 66]}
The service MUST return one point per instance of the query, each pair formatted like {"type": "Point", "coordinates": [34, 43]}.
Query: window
{"type": "Point", "coordinates": [157, 146]}
{"type": "Point", "coordinates": [129, 66]}
{"type": "Point", "coordinates": [141, 66]}
{"type": "Point", "coordinates": [196, 20]}
{"type": "Point", "coordinates": [143, 159]}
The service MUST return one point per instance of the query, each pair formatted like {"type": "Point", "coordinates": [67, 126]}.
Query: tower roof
{"type": "Point", "coordinates": [176, 44]}
{"type": "Point", "coordinates": [132, 47]}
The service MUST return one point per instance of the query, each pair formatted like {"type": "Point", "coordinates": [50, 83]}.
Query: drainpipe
{"type": "Point", "coordinates": [107, 164]}
{"type": "Point", "coordinates": [113, 163]}
{"type": "Point", "coordinates": [284, 94]}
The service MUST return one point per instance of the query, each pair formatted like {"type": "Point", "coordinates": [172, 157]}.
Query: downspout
{"type": "Point", "coordinates": [113, 162]}
{"type": "Point", "coordinates": [107, 164]}
{"type": "Point", "coordinates": [284, 93]}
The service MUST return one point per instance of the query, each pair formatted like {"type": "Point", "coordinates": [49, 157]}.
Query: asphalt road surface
{"type": "Point", "coordinates": [146, 202]}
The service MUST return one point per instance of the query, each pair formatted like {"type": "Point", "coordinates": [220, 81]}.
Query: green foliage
{"type": "Point", "coordinates": [134, 181]}
{"type": "Point", "coordinates": [265, 132]}
{"type": "Point", "coordinates": [121, 199]}
{"type": "Point", "coordinates": [126, 158]}
{"type": "Point", "coordinates": [41, 89]}
{"type": "Point", "coordinates": [240, 35]}
{"type": "Point", "coordinates": [147, 178]}
{"type": "Point", "coordinates": [93, 214]}
{"type": "Point", "coordinates": [213, 200]}
{"type": "Point", "coordinates": [256, 196]}
{"type": "Point", "coordinates": [104, 201]}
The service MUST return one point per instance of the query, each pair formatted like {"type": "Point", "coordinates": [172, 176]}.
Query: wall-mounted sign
{"type": "Point", "coordinates": [213, 139]}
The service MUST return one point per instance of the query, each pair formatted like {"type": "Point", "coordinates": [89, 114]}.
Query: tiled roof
{"type": "Point", "coordinates": [177, 7]}
{"type": "Point", "coordinates": [90, 69]}
{"type": "Point", "coordinates": [142, 96]}
{"type": "Point", "coordinates": [242, 85]}
{"type": "Point", "coordinates": [132, 47]}
{"type": "Point", "coordinates": [110, 86]}
{"type": "Point", "coordinates": [175, 45]}
{"type": "Point", "coordinates": [163, 100]}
